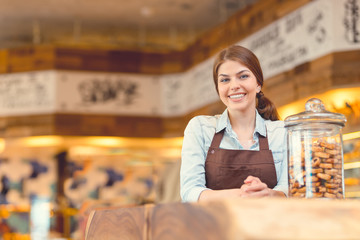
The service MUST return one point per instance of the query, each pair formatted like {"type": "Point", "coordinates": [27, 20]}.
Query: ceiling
{"type": "Point", "coordinates": [125, 24]}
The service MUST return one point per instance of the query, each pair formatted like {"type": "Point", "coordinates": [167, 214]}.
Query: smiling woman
{"type": "Point", "coordinates": [242, 152]}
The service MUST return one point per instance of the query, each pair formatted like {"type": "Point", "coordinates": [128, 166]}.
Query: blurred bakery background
{"type": "Point", "coordinates": [95, 95]}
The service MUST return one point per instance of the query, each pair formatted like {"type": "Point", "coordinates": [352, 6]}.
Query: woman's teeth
{"type": "Point", "coordinates": [237, 96]}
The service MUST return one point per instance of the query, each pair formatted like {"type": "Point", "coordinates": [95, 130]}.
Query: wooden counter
{"type": "Point", "coordinates": [230, 219]}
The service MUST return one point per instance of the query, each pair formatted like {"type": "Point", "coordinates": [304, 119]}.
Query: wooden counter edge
{"type": "Point", "coordinates": [91, 215]}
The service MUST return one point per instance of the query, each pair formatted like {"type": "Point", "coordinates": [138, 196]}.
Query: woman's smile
{"type": "Point", "coordinates": [237, 96]}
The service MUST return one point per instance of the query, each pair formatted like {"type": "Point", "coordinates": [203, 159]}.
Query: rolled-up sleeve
{"type": "Point", "coordinates": [193, 155]}
{"type": "Point", "coordinates": [282, 184]}
{"type": "Point", "coordinates": [280, 159]}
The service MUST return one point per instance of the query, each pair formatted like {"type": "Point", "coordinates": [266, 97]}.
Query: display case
{"type": "Point", "coordinates": [53, 182]}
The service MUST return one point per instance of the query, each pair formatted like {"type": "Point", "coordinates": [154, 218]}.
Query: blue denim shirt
{"type": "Point", "coordinates": [197, 139]}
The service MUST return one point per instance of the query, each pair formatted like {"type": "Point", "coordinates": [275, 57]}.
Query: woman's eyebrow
{"type": "Point", "coordinates": [242, 71]}
{"type": "Point", "coordinates": [223, 74]}
{"type": "Point", "coordinates": [226, 75]}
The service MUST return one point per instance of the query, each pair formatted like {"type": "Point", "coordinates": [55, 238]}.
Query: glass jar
{"type": "Point", "coordinates": [315, 152]}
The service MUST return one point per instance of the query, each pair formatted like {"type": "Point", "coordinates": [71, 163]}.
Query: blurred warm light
{"type": "Point", "coordinates": [104, 142]}
{"type": "Point", "coordinates": [85, 151]}
{"type": "Point", "coordinates": [139, 163]}
{"type": "Point", "coordinates": [8, 208]}
{"type": "Point", "coordinates": [351, 181]}
{"type": "Point", "coordinates": [2, 145]}
{"type": "Point", "coordinates": [171, 153]}
{"type": "Point", "coordinates": [352, 194]}
{"type": "Point", "coordinates": [42, 141]}
{"type": "Point", "coordinates": [353, 135]}
{"type": "Point", "coordinates": [339, 97]}
{"type": "Point", "coordinates": [71, 211]}
{"type": "Point", "coordinates": [132, 151]}
{"type": "Point", "coordinates": [351, 165]}
{"type": "Point", "coordinates": [291, 109]}
{"type": "Point", "coordinates": [333, 99]}
{"type": "Point", "coordinates": [133, 142]}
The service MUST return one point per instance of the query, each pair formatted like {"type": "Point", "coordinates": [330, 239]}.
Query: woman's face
{"type": "Point", "coordinates": [237, 86]}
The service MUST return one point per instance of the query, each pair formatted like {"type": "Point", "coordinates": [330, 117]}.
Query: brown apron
{"type": "Point", "coordinates": [228, 168]}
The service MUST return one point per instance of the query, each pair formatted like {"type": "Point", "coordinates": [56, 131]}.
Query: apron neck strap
{"type": "Point", "coordinates": [217, 139]}
{"type": "Point", "coordinates": [263, 143]}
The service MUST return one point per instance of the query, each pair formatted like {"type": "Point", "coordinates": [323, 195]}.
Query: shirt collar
{"type": "Point", "coordinates": [260, 125]}
{"type": "Point", "coordinates": [224, 122]}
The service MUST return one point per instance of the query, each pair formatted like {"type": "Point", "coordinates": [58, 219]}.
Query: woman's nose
{"type": "Point", "coordinates": [234, 85]}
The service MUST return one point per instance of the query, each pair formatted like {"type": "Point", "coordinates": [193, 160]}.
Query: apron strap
{"type": "Point", "coordinates": [215, 143]}
{"type": "Point", "coordinates": [263, 143]}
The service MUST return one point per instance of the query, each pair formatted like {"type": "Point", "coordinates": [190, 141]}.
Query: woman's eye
{"type": "Point", "coordinates": [224, 80]}
{"type": "Point", "coordinates": [244, 76]}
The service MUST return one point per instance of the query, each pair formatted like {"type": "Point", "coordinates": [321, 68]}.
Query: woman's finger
{"type": "Point", "coordinates": [262, 193]}
{"type": "Point", "coordinates": [254, 186]}
{"type": "Point", "coordinates": [251, 179]}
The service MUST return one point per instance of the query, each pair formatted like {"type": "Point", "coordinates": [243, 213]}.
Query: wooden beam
{"type": "Point", "coordinates": [239, 26]}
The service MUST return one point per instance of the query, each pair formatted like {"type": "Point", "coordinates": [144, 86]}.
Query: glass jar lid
{"type": "Point", "coordinates": [315, 112]}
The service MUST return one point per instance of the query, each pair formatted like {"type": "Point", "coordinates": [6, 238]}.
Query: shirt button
{"type": "Point", "coordinates": [212, 151]}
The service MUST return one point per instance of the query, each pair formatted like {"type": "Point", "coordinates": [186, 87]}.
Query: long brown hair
{"type": "Point", "coordinates": [247, 58]}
